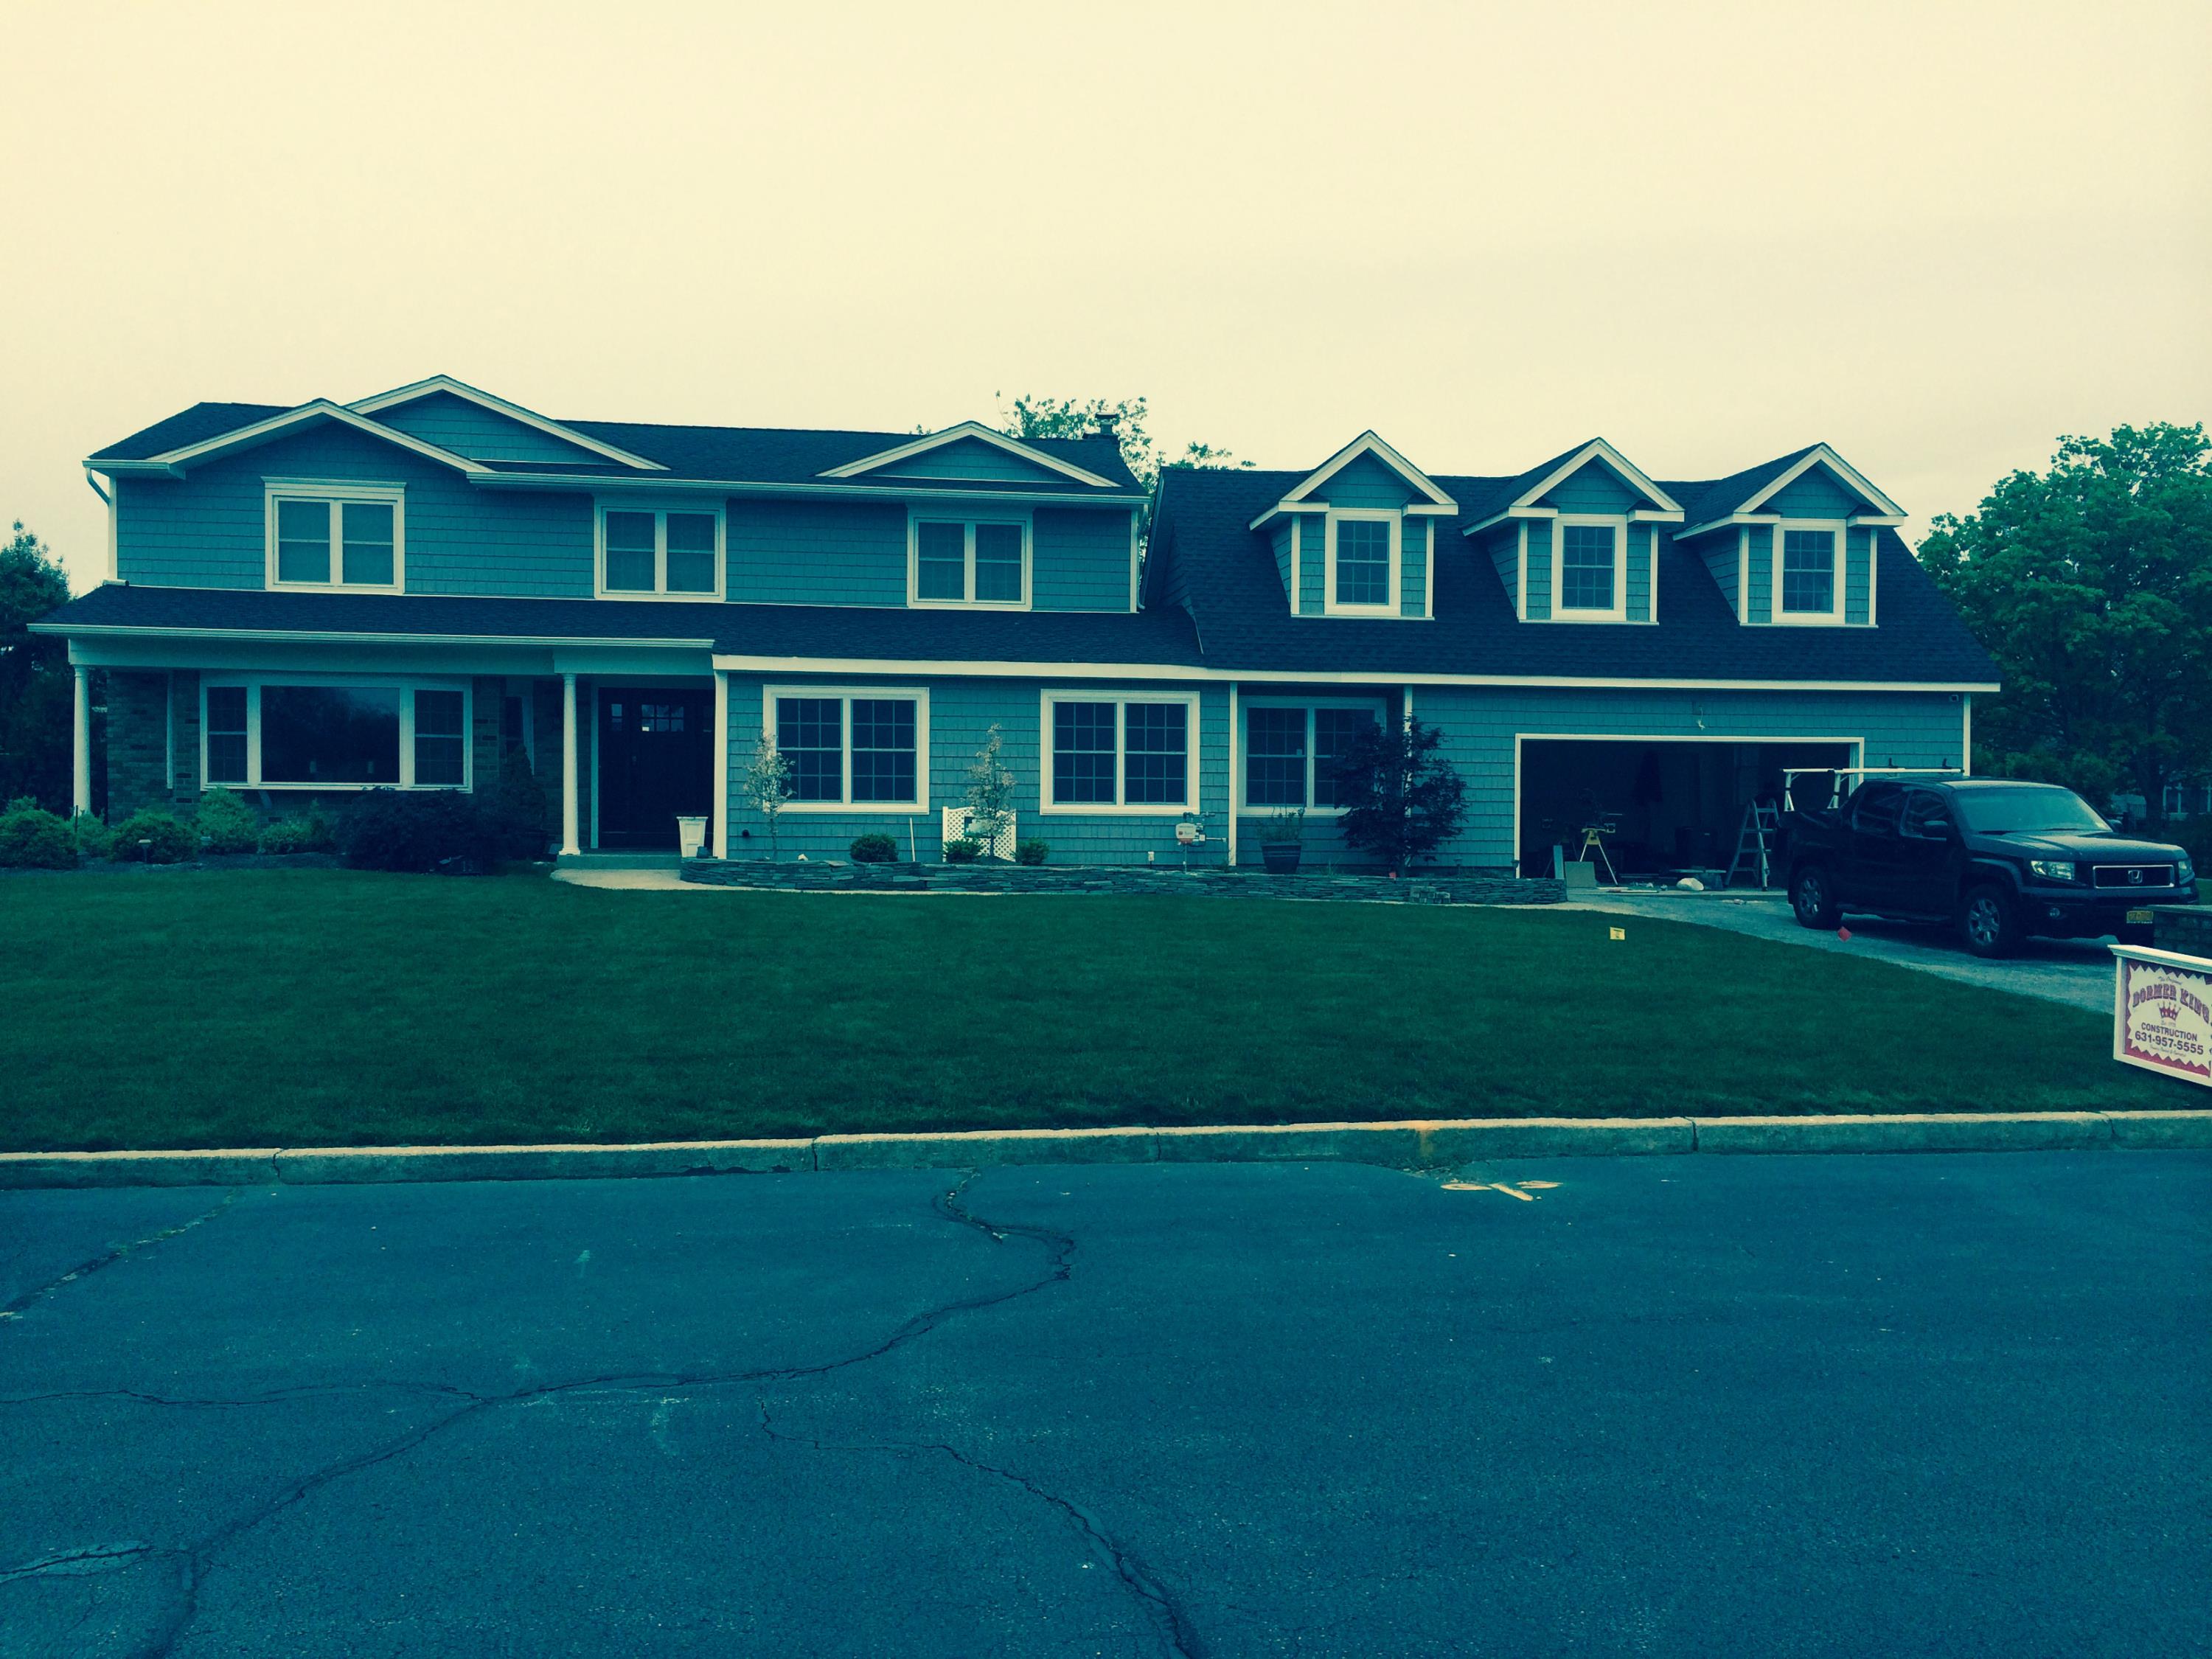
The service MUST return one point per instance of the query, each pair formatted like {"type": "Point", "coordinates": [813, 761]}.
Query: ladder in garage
{"type": "Point", "coordinates": [1754, 843]}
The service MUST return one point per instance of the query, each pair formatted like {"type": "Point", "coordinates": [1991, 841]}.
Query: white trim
{"type": "Point", "coordinates": [1521, 572]}
{"type": "Point", "coordinates": [1743, 577]}
{"type": "Point", "coordinates": [1839, 554]}
{"type": "Point", "coordinates": [437, 383]}
{"type": "Point", "coordinates": [255, 682]}
{"type": "Point", "coordinates": [81, 743]}
{"type": "Point", "coordinates": [169, 732]}
{"type": "Point", "coordinates": [1618, 609]}
{"type": "Point", "coordinates": [660, 590]}
{"type": "Point", "coordinates": [1330, 606]}
{"type": "Point", "coordinates": [952, 435]}
{"type": "Point", "coordinates": [1966, 734]}
{"type": "Point", "coordinates": [177, 461]}
{"type": "Point", "coordinates": [1369, 443]}
{"type": "Point", "coordinates": [1117, 808]}
{"type": "Point", "coordinates": [918, 694]}
{"type": "Point", "coordinates": [1239, 780]}
{"type": "Point", "coordinates": [289, 636]}
{"type": "Point", "coordinates": [108, 500]}
{"type": "Point", "coordinates": [1597, 449]}
{"type": "Point", "coordinates": [1136, 567]}
{"type": "Point", "coordinates": [569, 846]}
{"type": "Point", "coordinates": [335, 492]}
{"type": "Point", "coordinates": [721, 765]}
{"type": "Point", "coordinates": [1725, 521]}
{"type": "Point", "coordinates": [966, 517]}
{"type": "Point", "coordinates": [1236, 751]}
{"type": "Point", "coordinates": [596, 791]}
{"type": "Point", "coordinates": [1874, 577]}
{"type": "Point", "coordinates": [1509, 512]}
{"type": "Point", "coordinates": [892, 490]}
{"type": "Point", "coordinates": [1816, 456]}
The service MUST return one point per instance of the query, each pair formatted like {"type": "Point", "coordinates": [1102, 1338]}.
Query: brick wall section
{"type": "Point", "coordinates": [2185, 929]}
{"type": "Point", "coordinates": [831, 876]}
{"type": "Point", "coordinates": [138, 743]}
{"type": "Point", "coordinates": [185, 687]}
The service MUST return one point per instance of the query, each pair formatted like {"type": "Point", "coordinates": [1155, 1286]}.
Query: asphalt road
{"type": "Point", "coordinates": [1812, 1405]}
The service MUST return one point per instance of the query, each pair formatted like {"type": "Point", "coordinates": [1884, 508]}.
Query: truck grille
{"type": "Point", "coordinates": [2131, 875]}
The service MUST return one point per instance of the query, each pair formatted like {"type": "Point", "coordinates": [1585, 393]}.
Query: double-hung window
{"type": "Point", "coordinates": [1361, 563]}
{"type": "Point", "coordinates": [864, 748]}
{"type": "Point", "coordinates": [265, 732]}
{"type": "Point", "coordinates": [660, 553]}
{"type": "Point", "coordinates": [334, 534]}
{"type": "Point", "coordinates": [955, 560]}
{"type": "Point", "coordinates": [1290, 750]}
{"type": "Point", "coordinates": [1590, 572]}
{"type": "Point", "coordinates": [1120, 754]}
{"type": "Point", "coordinates": [1807, 575]}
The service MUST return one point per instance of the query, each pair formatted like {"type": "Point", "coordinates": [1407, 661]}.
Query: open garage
{"type": "Point", "coordinates": [1664, 809]}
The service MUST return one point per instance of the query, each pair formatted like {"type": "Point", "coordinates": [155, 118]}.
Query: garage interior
{"type": "Point", "coordinates": [1673, 809]}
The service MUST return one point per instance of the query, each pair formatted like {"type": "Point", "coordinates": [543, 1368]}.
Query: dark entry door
{"type": "Point", "coordinates": [656, 763]}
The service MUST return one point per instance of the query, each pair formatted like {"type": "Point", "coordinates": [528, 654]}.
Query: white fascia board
{"type": "Point", "coordinates": [1727, 522]}
{"type": "Point", "coordinates": [1818, 455]}
{"type": "Point", "coordinates": [296, 636]}
{"type": "Point", "coordinates": [275, 426]}
{"type": "Point", "coordinates": [910, 667]}
{"type": "Point", "coordinates": [977, 430]}
{"type": "Point", "coordinates": [467, 393]}
{"type": "Point", "coordinates": [1281, 509]}
{"type": "Point", "coordinates": [891, 490]}
{"type": "Point", "coordinates": [1508, 514]}
{"type": "Point", "coordinates": [1876, 520]}
{"type": "Point", "coordinates": [1647, 515]}
{"type": "Point", "coordinates": [1597, 450]}
{"type": "Point", "coordinates": [1370, 443]}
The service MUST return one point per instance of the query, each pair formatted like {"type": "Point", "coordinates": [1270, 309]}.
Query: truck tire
{"type": "Point", "coordinates": [1989, 920]}
{"type": "Point", "coordinates": [1813, 896]}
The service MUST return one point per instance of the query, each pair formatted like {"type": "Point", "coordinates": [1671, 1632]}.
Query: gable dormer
{"type": "Point", "coordinates": [1791, 543]}
{"type": "Point", "coordinates": [1575, 539]}
{"type": "Point", "coordinates": [974, 454]}
{"type": "Point", "coordinates": [462, 419]}
{"type": "Point", "coordinates": [1356, 536]}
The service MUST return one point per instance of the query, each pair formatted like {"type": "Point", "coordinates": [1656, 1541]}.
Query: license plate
{"type": "Point", "coordinates": [2139, 918]}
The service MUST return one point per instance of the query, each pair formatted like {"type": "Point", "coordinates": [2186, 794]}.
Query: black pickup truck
{"type": "Point", "coordinates": [2001, 858]}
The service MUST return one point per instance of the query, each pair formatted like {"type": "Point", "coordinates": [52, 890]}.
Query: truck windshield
{"type": "Point", "coordinates": [2036, 810]}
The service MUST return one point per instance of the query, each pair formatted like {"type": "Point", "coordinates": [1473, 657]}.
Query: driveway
{"type": "Point", "coordinates": [2078, 972]}
{"type": "Point", "coordinates": [1671, 1406]}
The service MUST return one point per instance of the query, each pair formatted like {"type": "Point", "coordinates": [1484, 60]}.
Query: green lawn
{"type": "Point", "coordinates": [307, 1007]}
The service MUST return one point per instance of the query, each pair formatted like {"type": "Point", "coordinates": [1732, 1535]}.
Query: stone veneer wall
{"type": "Point", "coordinates": [833, 876]}
{"type": "Point", "coordinates": [2185, 929]}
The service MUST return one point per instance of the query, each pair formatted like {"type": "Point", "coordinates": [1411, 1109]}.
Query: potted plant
{"type": "Point", "coordinates": [1282, 842]}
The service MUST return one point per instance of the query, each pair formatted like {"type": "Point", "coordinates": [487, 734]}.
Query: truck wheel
{"type": "Point", "coordinates": [1813, 896]}
{"type": "Point", "coordinates": [1989, 922]}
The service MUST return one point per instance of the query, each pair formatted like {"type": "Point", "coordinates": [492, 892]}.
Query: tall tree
{"type": "Point", "coordinates": [1029, 416]}
{"type": "Point", "coordinates": [2091, 584]}
{"type": "Point", "coordinates": [37, 693]}
{"type": "Point", "coordinates": [1401, 799]}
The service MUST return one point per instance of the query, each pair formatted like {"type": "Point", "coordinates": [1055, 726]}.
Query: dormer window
{"type": "Point", "coordinates": [1364, 568]}
{"type": "Point", "coordinates": [1808, 576]}
{"type": "Point", "coordinates": [1589, 568]}
{"type": "Point", "coordinates": [967, 561]}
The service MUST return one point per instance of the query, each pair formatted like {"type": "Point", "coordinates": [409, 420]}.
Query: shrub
{"type": "Point", "coordinates": [1284, 827]}
{"type": "Point", "coordinates": [309, 832]}
{"type": "Point", "coordinates": [963, 851]}
{"type": "Point", "coordinates": [521, 820]}
{"type": "Point", "coordinates": [439, 830]}
{"type": "Point", "coordinates": [874, 848]}
{"type": "Point", "coordinates": [228, 824]}
{"type": "Point", "coordinates": [167, 841]}
{"type": "Point", "coordinates": [1032, 851]}
{"type": "Point", "coordinates": [91, 837]}
{"type": "Point", "coordinates": [32, 839]}
{"type": "Point", "coordinates": [1402, 798]}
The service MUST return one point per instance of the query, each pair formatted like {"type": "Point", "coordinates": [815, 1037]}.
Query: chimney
{"type": "Point", "coordinates": [1107, 420]}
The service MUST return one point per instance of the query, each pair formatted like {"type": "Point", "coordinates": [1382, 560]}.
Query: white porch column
{"type": "Point", "coordinates": [1236, 749]}
{"type": "Point", "coordinates": [569, 847]}
{"type": "Point", "coordinates": [82, 761]}
{"type": "Point", "coordinates": [722, 763]}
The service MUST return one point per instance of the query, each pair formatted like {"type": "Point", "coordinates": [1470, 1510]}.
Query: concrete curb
{"type": "Point", "coordinates": [1411, 1144]}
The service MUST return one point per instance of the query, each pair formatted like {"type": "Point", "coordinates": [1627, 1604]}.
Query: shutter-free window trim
{"type": "Point", "coordinates": [1309, 711]}
{"type": "Point", "coordinates": [618, 544]}
{"type": "Point", "coordinates": [1837, 533]}
{"type": "Point", "coordinates": [331, 535]}
{"type": "Point", "coordinates": [982, 546]}
{"type": "Point", "coordinates": [1120, 702]}
{"type": "Point", "coordinates": [231, 730]}
{"type": "Point", "coordinates": [1388, 605]}
{"type": "Point", "coordinates": [881, 726]}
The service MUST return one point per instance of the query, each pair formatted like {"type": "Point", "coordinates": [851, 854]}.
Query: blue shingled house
{"type": "Point", "coordinates": [396, 592]}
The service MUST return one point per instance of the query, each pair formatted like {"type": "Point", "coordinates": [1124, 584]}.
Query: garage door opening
{"type": "Point", "coordinates": [1673, 809]}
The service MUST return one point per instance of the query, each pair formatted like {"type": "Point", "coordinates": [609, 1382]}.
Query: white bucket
{"type": "Point", "coordinates": [691, 837]}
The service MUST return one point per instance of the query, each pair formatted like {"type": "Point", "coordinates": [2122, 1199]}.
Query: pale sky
{"type": "Point", "coordinates": [1937, 236]}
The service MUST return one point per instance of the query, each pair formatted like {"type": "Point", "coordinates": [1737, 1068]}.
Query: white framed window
{"type": "Point", "coordinates": [1808, 574]}
{"type": "Point", "coordinates": [659, 552]}
{"type": "Point", "coordinates": [1291, 745]}
{"type": "Point", "coordinates": [958, 558]}
{"type": "Point", "coordinates": [336, 534]}
{"type": "Point", "coordinates": [1589, 568]}
{"type": "Point", "coordinates": [852, 749]}
{"type": "Point", "coordinates": [1363, 562]}
{"type": "Point", "coordinates": [337, 733]}
{"type": "Point", "coordinates": [1130, 753]}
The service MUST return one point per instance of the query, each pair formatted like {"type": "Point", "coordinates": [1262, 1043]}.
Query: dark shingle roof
{"type": "Point", "coordinates": [1227, 573]}
{"type": "Point", "coordinates": [1717, 497]}
{"type": "Point", "coordinates": [190, 426]}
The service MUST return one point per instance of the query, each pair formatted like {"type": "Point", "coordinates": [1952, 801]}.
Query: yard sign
{"type": "Point", "coordinates": [2163, 1019]}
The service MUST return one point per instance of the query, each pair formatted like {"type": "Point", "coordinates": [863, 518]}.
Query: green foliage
{"type": "Point", "coordinates": [874, 847]}
{"type": "Point", "coordinates": [767, 786]}
{"type": "Point", "coordinates": [38, 695]}
{"type": "Point", "coordinates": [990, 793]}
{"type": "Point", "coordinates": [300, 832]}
{"type": "Point", "coordinates": [1031, 417]}
{"type": "Point", "coordinates": [228, 824]}
{"type": "Point", "coordinates": [151, 837]}
{"type": "Point", "coordinates": [521, 818]}
{"type": "Point", "coordinates": [2091, 584]}
{"type": "Point", "coordinates": [437, 830]}
{"type": "Point", "coordinates": [1402, 799]}
{"type": "Point", "coordinates": [32, 838]}
{"type": "Point", "coordinates": [93, 839]}
{"type": "Point", "coordinates": [963, 851]}
{"type": "Point", "coordinates": [1287, 825]}
{"type": "Point", "coordinates": [1032, 851]}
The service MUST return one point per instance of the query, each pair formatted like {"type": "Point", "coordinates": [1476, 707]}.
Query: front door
{"type": "Point", "coordinates": [656, 763]}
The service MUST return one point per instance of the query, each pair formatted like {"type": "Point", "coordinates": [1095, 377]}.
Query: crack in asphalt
{"type": "Point", "coordinates": [14, 1310]}
{"type": "Point", "coordinates": [196, 1559]}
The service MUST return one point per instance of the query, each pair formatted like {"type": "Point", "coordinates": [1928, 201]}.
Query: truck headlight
{"type": "Point", "coordinates": [2183, 873]}
{"type": "Point", "coordinates": [2050, 870]}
